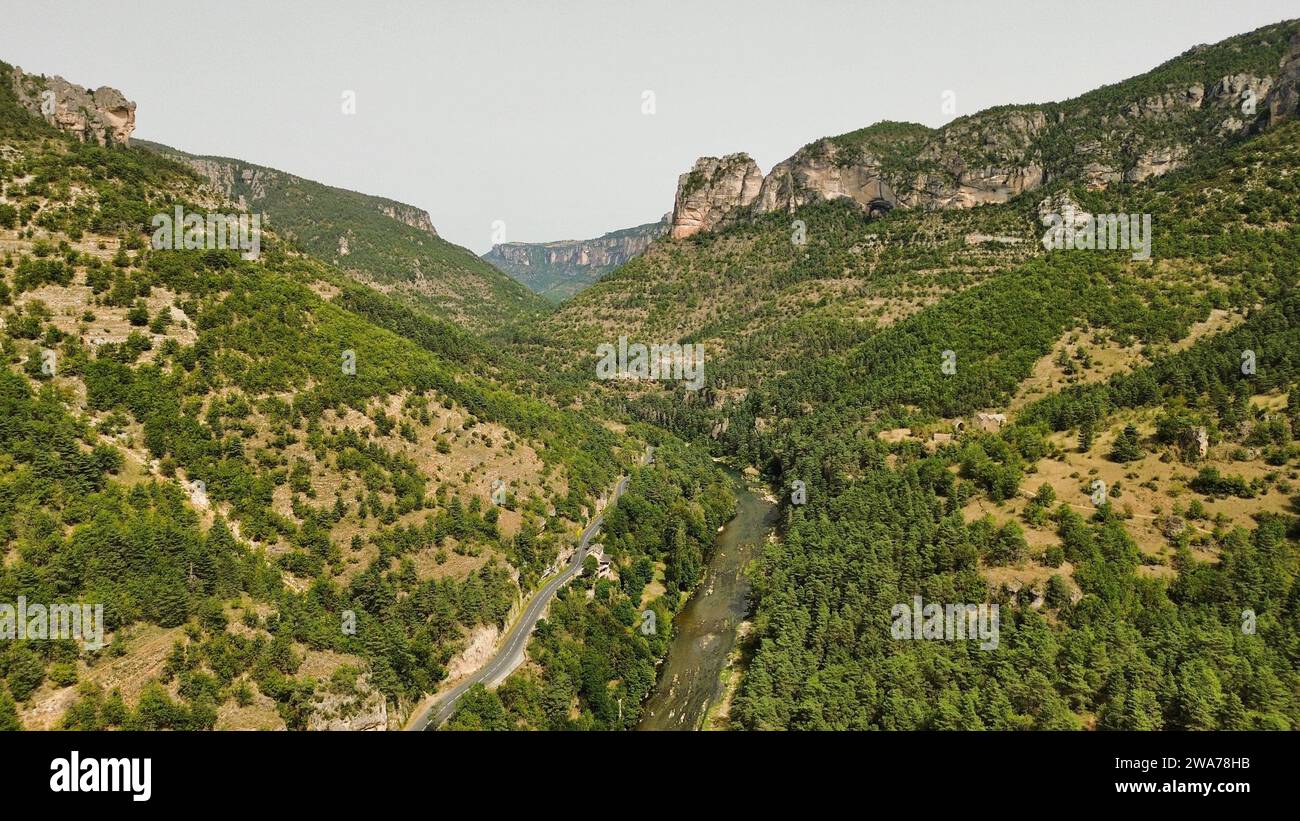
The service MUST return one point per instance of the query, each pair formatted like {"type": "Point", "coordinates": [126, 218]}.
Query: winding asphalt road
{"type": "Point", "coordinates": [511, 653]}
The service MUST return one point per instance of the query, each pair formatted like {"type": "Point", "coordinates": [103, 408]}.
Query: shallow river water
{"type": "Point", "coordinates": [705, 630]}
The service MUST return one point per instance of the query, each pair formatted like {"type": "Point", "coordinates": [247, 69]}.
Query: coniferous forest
{"type": "Point", "coordinates": [358, 478]}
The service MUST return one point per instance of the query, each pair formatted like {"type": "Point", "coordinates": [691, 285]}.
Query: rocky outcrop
{"type": "Point", "coordinates": [240, 184]}
{"type": "Point", "coordinates": [1241, 91]}
{"type": "Point", "coordinates": [1155, 163]}
{"type": "Point", "coordinates": [819, 172]}
{"type": "Point", "coordinates": [254, 187]}
{"type": "Point", "coordinates": [987, 158]}
{"type": "Point", "coordinates": [714, 188]}
{"type": "Point", "coordinates": [1097, 140]}
{"type": "Point", "coordinates": [1240, 97]}
{"type": "Point", "coordinates": [1060, 214]}
{"type": "Point", "coordinates": [348, 705]}
{"type": "Point", "coordinates": [1167, 104]}
{"type": "Point", "coordinates": [561, 269]}
{"type": "Point", "coordinates": [944, 173]}
{"type": "Point", "coordinates": [1283, 99]}
{"type": "Point", "coordinates": [969, 187]}
{"type": "Point", "coordinates": [408, 215]}
{"type": "Point", "coordinates": [103, 116]}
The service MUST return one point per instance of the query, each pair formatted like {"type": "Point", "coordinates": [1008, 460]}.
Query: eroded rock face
{"type": "Point", "coordinates": [817, 173]}
{"type": "Point", "coordinates": [992, 156]}
{"type": "Point", "coordinates": [1010, 164]}
{"type": "Point", "coordinates": [1242, 99]}
{"type": "Point", "coordinates": [970, 187]}
{"type": "Point", "coordinates": [353, 707]}
{"type": "Point", "coordinates": [409, 215]}
{"type": "Point", "coordinates": [1284, 96]}
{"type": "Point", "coordinates": [102, 116]}
{"type": "Point", "coordinates": [240, 185]}
{"type": "Point", "coordinates": [1240, 91]}
{"type": "Point", "coordinates": [1060, 213]}
{"type": "Point", "coordinates": [250, 185]}
{"type": "Point", "coordinates": [714, 188]}
{"type": "Point", "coordinates": [606, 252]}
{"type": "Point", "coordinates": [1156, 163]}
{"type": "Point", "coordinates": [1168, 104]}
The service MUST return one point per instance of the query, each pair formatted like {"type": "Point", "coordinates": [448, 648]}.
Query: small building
{"type": "Point", "coordinates": [937, 440]}
{"type": "Point", "coordinates": [604, 565]}
{"type": "Point", "coordinates": [990, 422]}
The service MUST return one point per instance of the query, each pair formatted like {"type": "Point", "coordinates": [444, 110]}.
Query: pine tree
{"type": "Point", "coordinates": [1128, 447]}
{"type": "Point", "coordinates": [8, 713]}
{"type": "Point", "coordinates": [1086, 434]}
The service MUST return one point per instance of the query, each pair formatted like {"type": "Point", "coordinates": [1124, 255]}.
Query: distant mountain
{"type": "Point", "coordinates": [383, 243]}
{"type": "Point", "coordinates": [558, 270]}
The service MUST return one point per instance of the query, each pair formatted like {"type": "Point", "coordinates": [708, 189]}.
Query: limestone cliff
{"type": "Point", "coordinates": [102, 116]}
{"type": "Point", "coordinates": [558, 270]}
{"type": "Point", "coordinates": [1283, 100]}
{"type": "Point", "coordinates": [819, 172]}
{"type": "Point", "coordinates": [711, 190]}
{"type": "Point", "coordinates": [258, 188]}
{"type": "Point", "coordinates": [1123, 134]}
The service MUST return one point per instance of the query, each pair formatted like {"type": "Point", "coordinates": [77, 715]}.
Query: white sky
{"type": "Point", "coordinates": [530, 112]}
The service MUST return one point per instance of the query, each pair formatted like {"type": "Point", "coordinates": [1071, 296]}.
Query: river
{"type": "Point", "coordinates": [704, 632]}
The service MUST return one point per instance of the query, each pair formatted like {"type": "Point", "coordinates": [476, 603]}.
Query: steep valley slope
{"type": "Point", "coordinates": [1102, 444]}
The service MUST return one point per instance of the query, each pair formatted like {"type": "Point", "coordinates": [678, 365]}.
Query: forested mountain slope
{"type": "Point", "coordinates": [1110, 610]}
{"type": "Point", "coordinates": [292, 515]}
{"type": "Point", "coordinates": [951, 394]}
{"type": "Point", "coordinates": [390, 246]}
{"type": "Point", "coordinates": [1128, 132]}
{"type": "Point", "coordinates": [721, 285]}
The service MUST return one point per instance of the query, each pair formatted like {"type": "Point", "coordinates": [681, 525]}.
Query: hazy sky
{"type": "Point", "coordinates": [531, 112]}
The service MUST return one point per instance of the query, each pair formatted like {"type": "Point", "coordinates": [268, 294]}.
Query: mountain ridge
{"type": "Point", "coordinates": [1194, 102]}
{"type": "Point", "coordinates": [559, 269]}
{"type": "Point", "coordinates": [386, 244]}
